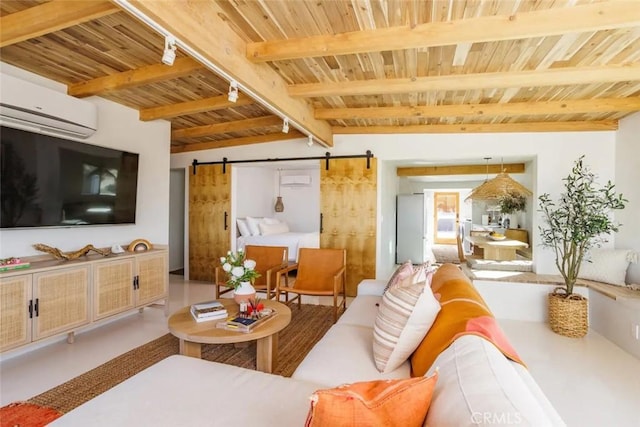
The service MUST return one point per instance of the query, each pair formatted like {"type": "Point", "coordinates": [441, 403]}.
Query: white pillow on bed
{"type": "Point", "coordinates": [270, 221]}
{"type": "Point", "coordinates": [254, 226]}
{"type": "Point", "coordinates": [269, 229]}
{"type": "Point", "coordinates": [243, 227]}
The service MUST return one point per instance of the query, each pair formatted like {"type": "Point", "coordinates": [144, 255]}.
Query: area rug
{"type": "Point", "coordinates": [307, 326]}
{"type": "Point", "coordinates": [446, 254]}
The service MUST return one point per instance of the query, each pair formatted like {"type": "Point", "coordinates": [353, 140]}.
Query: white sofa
{"type": "Point", "coordinates": [477, 384]}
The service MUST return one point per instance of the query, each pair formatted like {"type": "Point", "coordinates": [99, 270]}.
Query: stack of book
{"type": "Point", "coordinates": [205, 311]}
{"type": "Point", "coordinates": [244, 323]}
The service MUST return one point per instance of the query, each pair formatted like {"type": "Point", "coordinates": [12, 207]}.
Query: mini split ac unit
{"type": "Point", "coordinates": [27, 106]}
{"type": "Point", "coordinates": [295, 180]}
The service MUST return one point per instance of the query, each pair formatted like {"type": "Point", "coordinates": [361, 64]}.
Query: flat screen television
{"type": "Point", "coordinates": [53, 182]}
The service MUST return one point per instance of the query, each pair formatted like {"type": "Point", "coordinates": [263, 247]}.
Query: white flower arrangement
{"type": "Point", "coordinates": [238, 268]}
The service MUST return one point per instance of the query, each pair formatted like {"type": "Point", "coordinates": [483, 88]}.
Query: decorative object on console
{"type": "Point", "coordinates": [573, 226]}
{"type": "Point", "coordinates": [279, 207]}
{"type": "Point", "coordinates": [57, 253]}
{"type": "Point", "coordinates": [12, 263]}
{"type": "Point", "coordinates": [117, 249]}
{"type": "Point", "coordinates": [139, 245]}
{"type": "Point", "coordinates": [241, 273]}
{"type": "Point", "coordinates": [402, 402]}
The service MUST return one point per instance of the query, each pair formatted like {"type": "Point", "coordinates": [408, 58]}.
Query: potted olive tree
{"type": "Point", "coordinates": [580, 220]}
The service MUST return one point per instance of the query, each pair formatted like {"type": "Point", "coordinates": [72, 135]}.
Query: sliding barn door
{"type": "Point", "coordinates": [348, 194]}
{"type": "Point", "coordinates": [209, 216]}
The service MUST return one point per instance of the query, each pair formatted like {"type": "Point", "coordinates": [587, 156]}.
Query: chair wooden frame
{"type": "Point", "coordinates": [269, 274]}
{"type": "Point", "coordinates": [338, 288]}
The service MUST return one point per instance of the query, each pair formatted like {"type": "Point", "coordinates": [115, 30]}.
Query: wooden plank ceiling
{"type": "Point", "coordinates": [337, 67]}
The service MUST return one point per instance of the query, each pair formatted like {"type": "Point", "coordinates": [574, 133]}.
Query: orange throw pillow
{"type": "Point", "coordinates": [403, 402]}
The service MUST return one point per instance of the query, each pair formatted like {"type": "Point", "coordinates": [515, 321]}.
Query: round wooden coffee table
{"type": "Point", "coordinates": [193, 334]}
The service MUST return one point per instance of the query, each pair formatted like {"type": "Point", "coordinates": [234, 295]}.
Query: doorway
{"type": "Point", "coordinates": [176, 221]}
{"type": "Point", "coordinates": [446, 213]}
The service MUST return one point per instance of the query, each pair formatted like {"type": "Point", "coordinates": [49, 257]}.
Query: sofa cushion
{"type": "Point", "coordinates": [537, 392]}
{"type": "Point", "coordinates": [401, 402]}
{"type": "Point", "coordinates": [344, 355]}
{"type": "Point", "coordinates": [181, 390]}
{"type": "Point", "coordinates": [405, 315]}
{"type": "Point", "coordinates": [463, 311]}
{"type": "Point", "coordinates": [607, 265]}
{"type": "Point", "coordinates": [477, 385]}
{"type": "Point", "coordinates": [372, 287]}
{"type": "Point", "coordinates": [362, 311]}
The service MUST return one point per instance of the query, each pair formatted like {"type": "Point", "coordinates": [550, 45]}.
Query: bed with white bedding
{"type": "Point", "coordinates": [292, 240]}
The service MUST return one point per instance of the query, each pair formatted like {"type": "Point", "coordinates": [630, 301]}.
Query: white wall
{"type": "Point", "coordinates": [119, 128]}
{"type": "Point", "coordinates": [627, 182]}
{"type": "Point", "coordinates": [553, 154]}
{"type": "Point", "coordinates": [253, 191]}
{"type": "Point", "coordinates": [256, 189]}
{"type": "Point", "coordinates": [301, 204]}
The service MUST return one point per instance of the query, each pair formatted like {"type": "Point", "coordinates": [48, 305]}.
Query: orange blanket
{"type": "Point", "coordinates": [463, 312]}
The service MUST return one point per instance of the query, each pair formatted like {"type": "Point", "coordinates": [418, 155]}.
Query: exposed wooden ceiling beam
{"type": "Point", "coordinates": [507, 109]}
{"type": "Point", "coordinates": [506, 79]}
{"type": "Point", "coordinates": [557, 21]}
{"type": "Point", "coordinates": [270, 137]}
{"type": "Point", "coordinates": [192, 107]}
{"type": "Point", "coordinates": [483, 128]}
{"type": "Point", "coordinates": [459, 169]}
{"type": "Point", "coordinates": [46, 18]}
{"type": "Point", "coordinates": [234, 126]}
{"type": "Point", "coordinates": [138, 77]}
{"type": "Point", "coordinates": [225, 50]}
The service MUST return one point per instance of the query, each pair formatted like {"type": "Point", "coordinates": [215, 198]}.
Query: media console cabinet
{"type": "Point", "coordinates": [54, 297]}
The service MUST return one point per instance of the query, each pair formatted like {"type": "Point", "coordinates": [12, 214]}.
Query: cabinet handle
{"type": "Point", "coordinates": [225, 220]}
{"type": "Point", "coordinates": [30, 309]}
{"type": "Point", "coordinates": [321, 229]}
{"type": "Point", "coordinates": [37, 307]}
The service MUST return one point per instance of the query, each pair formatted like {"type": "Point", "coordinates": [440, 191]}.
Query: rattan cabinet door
{"type": "Point", "coordinates": [62, 300]}
{"type": "Point", "coordinates": [15, 295]}
{"type": "Point", "coordinates": [112, 287]}
{"type": "Point", "coordinates": [153, 277]}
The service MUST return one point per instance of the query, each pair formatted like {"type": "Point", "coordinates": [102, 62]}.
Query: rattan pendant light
{"type": "Point", "coordinates": [500, 186]}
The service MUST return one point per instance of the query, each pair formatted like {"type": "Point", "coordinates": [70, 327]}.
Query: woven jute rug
{"type": "Point", "coordinates": [307, 326]}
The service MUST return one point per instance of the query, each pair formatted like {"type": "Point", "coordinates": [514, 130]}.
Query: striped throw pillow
{"type": "Point", "coordinates": [405, 315]}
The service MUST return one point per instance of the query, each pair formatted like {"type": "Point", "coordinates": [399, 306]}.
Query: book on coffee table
{"type": "Point", "coordinates": [246, 324]}
{"type": "Point", "coordinates": [211, 310]}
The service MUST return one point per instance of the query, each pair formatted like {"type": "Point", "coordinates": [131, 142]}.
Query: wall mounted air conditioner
{"type": "Point", "coordinates": [27, 106]}
{"type": "Point", "coordinates": [295, 180]}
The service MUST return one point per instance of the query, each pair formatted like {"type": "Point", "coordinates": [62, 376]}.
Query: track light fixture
{"type": "Point", "coordinates": [310, 143]}
{"type": "Point", "coordinates": [169, 54]}
{"type": "Point", "coordinates": [285, 125]}
{"type": "Point", "coordinates": [233, 91]}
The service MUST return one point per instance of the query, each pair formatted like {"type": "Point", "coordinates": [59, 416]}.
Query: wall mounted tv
{"type": "Point", "coordinates": [52, 182]}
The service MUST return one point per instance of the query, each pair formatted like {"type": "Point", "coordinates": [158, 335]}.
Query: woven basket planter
{"type": "Point", "coordinates": [568, 315]}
